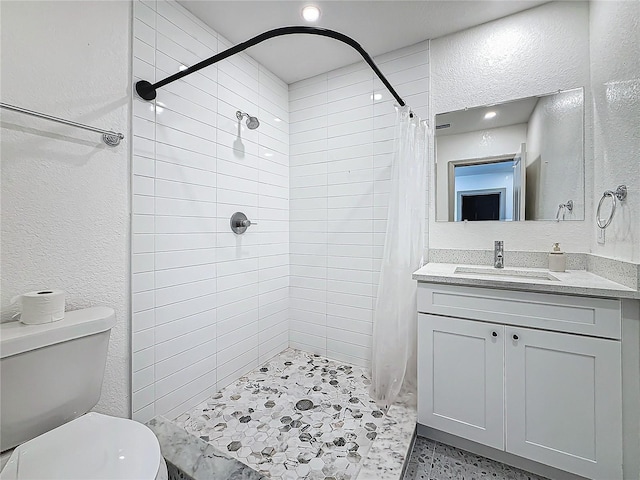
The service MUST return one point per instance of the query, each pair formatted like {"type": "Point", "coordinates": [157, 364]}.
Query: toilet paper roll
{"type": "Point", "coordinates": [43, 306]}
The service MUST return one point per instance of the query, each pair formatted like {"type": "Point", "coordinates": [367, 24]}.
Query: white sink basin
{"type": "Point", "coordinates": [506, 272]}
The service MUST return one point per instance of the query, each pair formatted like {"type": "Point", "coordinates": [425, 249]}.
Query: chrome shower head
{"type": "Point", "coordinates": [252, 122]}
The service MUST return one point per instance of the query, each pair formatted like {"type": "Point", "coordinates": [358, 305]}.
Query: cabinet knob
{"type": "Point", "coordinates": [494, 334]}
{"type": "Point", "coordinates": [515, 337]}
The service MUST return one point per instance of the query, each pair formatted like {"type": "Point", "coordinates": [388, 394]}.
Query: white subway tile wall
{"type": "Point", "coordinates": [341, 143]}
{"type": "Point", "coordinates": [207, 305]}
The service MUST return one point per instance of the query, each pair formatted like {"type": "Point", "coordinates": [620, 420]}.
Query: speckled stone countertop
{"type": "Point", "coordinates": [571, 282]}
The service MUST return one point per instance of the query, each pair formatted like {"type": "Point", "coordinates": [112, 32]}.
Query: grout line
{"type": "Point", "coordinates": [183, 368]}
{"type": "Point", "coordinates": [181, 351]}
{"type": "Point", "coordinates": [190, 381]}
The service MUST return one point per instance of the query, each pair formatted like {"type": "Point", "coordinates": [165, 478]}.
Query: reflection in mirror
{"type": "Point", "coordinates": [518, 160]}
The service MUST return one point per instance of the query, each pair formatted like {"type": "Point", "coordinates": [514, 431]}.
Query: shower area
{"type": "Point", "coordinates": [255, 333]}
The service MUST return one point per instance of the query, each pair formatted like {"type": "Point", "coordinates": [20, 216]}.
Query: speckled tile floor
{"type": "Point", "coordinates": [297, 416]}
{"type": "Point", "coordinates": [436, 461]}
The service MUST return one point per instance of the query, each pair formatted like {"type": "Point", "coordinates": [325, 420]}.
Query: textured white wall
{"type": "Point", "coordinates": [530, 53]}
{"type": "Point", "coordinates": [208, 305]}
{"type": "Point", "coordinates": [615, 77]}
{"type": "Point", "coordinates": [341, 151]}
{"type": "Point", "coordinates": [555, 146]}
{"type": "Point", "coordinates": [65, 206]}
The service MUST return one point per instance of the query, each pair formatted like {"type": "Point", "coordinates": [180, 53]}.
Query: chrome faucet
{"type": "Point", "coordinates": [498, 254]}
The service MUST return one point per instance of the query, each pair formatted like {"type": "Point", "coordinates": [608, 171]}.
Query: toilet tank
{"type": "Point", "coordinates": [51, 373]}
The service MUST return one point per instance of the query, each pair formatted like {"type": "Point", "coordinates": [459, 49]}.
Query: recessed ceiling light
{"type": "Point", "coordinates": [376, 96]}
{"type": "Point", "coordinates": [268, 154]}
{"type": "Point", "coordinates": [311, 13]}
{"type": "Point", "coordinates": [489, 115]}
{"type": "Point", "coordinates": [277, 119]}
{"type": "Point", "coordinates": [182, 67]}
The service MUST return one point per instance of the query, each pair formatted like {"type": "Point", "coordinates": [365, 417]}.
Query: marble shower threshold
{"type": "Point", "coordinates": [190, 458]}
{"type": "Point", "coordinates": [298, 416]}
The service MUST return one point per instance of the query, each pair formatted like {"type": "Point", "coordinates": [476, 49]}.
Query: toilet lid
{"type": "Point", "coordinates": [91, 447]}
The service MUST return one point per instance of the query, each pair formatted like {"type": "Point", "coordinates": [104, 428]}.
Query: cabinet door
{"type": "Point", "coordinates": [563, 399]}
{"type": "Point", "coordinates": [461, 378]}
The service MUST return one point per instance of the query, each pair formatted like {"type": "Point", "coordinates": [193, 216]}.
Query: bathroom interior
{"type": "Point", "coordinates": [398, 240]}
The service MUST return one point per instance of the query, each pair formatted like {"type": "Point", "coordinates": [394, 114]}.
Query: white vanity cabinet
{"type": "Point", "coordinates": [524, 373]}
{"type": "Point", "coordinates": [461, 371]}
{"type": "Point", "coordinates": [564, 401]}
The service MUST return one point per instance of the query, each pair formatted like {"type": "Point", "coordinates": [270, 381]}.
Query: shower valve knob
{"type": "Point", "coordinates": [239, 223]}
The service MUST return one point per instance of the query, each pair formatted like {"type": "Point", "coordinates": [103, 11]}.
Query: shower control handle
{"type": "Point", "coordinates": [239, 223]}
{"type": "Point", "coordinates": [247, 223]}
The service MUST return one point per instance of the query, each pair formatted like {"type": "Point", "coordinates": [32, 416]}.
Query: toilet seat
{"type": "Point", "coordinates": [91, 447]}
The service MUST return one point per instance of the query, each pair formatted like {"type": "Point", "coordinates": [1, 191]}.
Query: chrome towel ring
{"type": "Point", "coordinates": [619, 194]}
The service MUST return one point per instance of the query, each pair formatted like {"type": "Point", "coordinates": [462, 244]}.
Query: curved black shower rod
{"type": "Point", "coordinates": [147, 90]}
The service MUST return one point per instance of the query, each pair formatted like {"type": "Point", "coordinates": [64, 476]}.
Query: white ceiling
{"type": "Point", "coordinates": [379, 26]}
{"type": "Point", "coordinates": [472, 119]}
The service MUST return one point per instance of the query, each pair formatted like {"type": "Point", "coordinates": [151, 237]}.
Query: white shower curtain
{"type": "Point", "coordinates": [395, 315]}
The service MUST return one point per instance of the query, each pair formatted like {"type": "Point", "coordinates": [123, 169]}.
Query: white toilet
{"type": "Point", "coordinates": [51, 376]}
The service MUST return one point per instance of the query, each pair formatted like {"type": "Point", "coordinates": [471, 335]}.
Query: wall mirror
{"type": "Point", "coordinates": [512, 161]}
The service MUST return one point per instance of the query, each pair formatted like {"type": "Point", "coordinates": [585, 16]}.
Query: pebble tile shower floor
{"type": "Point", "coordinates": [298, 416]}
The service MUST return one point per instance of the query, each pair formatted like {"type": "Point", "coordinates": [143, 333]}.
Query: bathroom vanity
{"type": "Point", "coordinates": [535, 366]}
